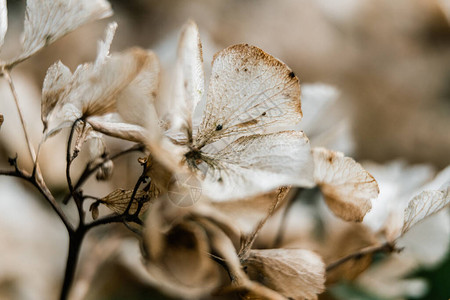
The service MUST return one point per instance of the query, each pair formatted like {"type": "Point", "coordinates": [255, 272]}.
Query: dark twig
{"type": "Point", "coordinates": [92, 168]}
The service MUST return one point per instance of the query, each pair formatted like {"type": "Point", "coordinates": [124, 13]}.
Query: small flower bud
{"type": "Point", "coordinates": [105, 171]}
{"type": "Point", "coordinates": [94, 209]}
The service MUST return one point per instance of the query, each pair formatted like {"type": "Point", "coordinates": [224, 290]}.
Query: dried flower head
{"type": "Point", "coordinates": [96, 93]}
{"type": "Point", "coordinates": [251, 96]}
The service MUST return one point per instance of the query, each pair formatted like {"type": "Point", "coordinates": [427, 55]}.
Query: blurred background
{"type": "Point", "coordinates": [390, 61]}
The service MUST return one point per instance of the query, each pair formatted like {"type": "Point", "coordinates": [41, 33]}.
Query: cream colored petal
{"type": "Point", "coordinates": [56, 80]}
{"type": "Point", "coordinates": [3, 21]}
{"type": "Point", "coordinates": [189, 79]}
{"type": "Point", "coordinates": [347, 188]}
{"type": "Point", "coordinates": [93, 91]}
{"type": "Point", "coordinates": [249, 92]}
{"type": "Point", "coordinates": [424, 205]}
{"type": "Point", "coordinates": [48, 20]}
{"type": "Point", "coordinates": [294, 273]}
{"type": "Point", "coordinates": [118, 201]}
{"type": "Point", "coordinates": [133, 103]}
{"type": "Point", "coordinates": [120, 130]}
{"type": "Point", "coordinates": [256, 164]}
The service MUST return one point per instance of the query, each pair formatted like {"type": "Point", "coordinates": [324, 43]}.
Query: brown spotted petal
{"type": "Point", "coordinates": [346, 186]}
{"type": "Point", "coordinates": [249, 92]}
{"type": "Point", "coordinates": [294, 273]}
{"type": "Point", "coordinates": [119, 199]}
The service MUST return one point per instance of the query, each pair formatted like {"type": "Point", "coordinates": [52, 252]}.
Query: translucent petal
{"type": "Point", "coordinates": [48, 20]}
{"type": "Point", "coordinates": [249, 92]}
{"type": "Point", "coordinates": [189, 79]}
{"type": "Point", "coordinates": [256, 164]}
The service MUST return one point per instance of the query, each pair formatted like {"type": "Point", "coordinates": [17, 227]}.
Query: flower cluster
{"type": "Point", "coordinates": [209, 184]}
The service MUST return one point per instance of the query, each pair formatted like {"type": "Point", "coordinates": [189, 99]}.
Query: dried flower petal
{"type": "Point", "coordinates": [249, 92]}
{"type": "Point", "coordinates": [189, 79]}
{"type": "Point", "coordinates": [424, 205]}
{"type": "Point", "coordinates": [3, 21]}
{"type": "Point", "coordinates": [295, 273]}
{"type": "Point", "coordinates": [346, 186]}
{"type": "Point", "coordinates": [119, 199]}
{"type": "Point", "coordinates": [48, 20]}
{"type": "Point", "coordinates": [125, 83]}
{"type": "Point", "coordinates": [255, 164]}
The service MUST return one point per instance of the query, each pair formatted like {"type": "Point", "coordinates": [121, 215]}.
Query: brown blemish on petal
{"type": "Point", "coordinates": [251, 122]}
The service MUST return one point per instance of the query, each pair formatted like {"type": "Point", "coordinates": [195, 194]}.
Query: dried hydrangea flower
{"type": "Point", "coordinates": [48, 20]}
{"type": "Point", "coordinates": [251, 96]}
{"type": "Point", "coordinates": [98, 92]}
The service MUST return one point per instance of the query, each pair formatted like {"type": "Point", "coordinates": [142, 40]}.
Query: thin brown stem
{"type": "Point", "coordinates": [385, 247]}
{"type": "Point", "coordinates": [248, 242]}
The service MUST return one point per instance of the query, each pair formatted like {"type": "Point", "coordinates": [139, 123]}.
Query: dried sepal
{"type": "Point", "coordinates": [256, 164]}
{"type": "Point", "coordinates": [129, 132]}
{"type": "Point", "coordinates": [189, 79]}
{"type": "Point", "coordinates": [3, 21]}
{"type": "Point", "coordinates": [294, 273]}
{"type": "Point", "coordinates": [249, 92]}
{"type": "Point", "coordinates": [346, 186]}
{"type": "Point", "coordinates": [123, 83]}
{"type": "Point", "coordinates": [119, 199]}
{"type": "Point", "coordinates": [1, 120]}
{"type": "Point", "coordinates": [48, 20]}
{"type": "Point", "coordinates": [424, 205]}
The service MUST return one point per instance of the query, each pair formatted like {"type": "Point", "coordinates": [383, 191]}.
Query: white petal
{"type": "Point", "coordinates": [425, 204]}
{"type": "Point", "coordinates": [189, 79]}
{"type": "Point", "coordinates": [256, 164]}
{"type": "Point", "coordinates": [294, 273]}
{"type": "Point", "coordinates": [249, 92]}
{"type": "Point", "coordinates": [3, 21]}
{"type": "Point", "coordinates": [48, 20]}
{"type": "Point", "coordinates": [346, 186]}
